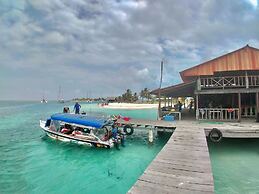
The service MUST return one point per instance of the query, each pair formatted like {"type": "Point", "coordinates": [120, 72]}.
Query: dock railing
{"type": "Point", "coordinates": [218, 114]}
{"type": "Point", "coordinates": [229, 82]}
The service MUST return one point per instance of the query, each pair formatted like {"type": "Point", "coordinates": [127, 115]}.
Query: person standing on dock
{"type": "Point", "coordinates": [77, 108]}
{"type": "Point", "coordinates": [180, 106]}
{"type": "Point", "coordinates": [191, 105]}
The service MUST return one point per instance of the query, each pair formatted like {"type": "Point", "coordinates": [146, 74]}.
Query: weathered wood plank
{"type": "Point", "coordinates": [151, 188]}
{"type": "Point", "coordinates": [182, 177]}
{"type": "Point", "coordinates": [177, 166]}
{"type": "Point", "coordinates": [177, 183]}
{"type": "Point", "coordinates": [182, 166]}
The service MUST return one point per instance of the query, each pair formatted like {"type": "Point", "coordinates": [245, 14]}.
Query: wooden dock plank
{"type": "Point", "coordinates": [145, 187]}
{"type": "Point", "coordinates": [182, 166]}
{"type": "Point", "coordinates": [174, 182]}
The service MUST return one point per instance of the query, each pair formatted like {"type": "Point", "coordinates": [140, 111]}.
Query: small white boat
{"type": "Point", "coordinates": [80, 129]}
{"type": "Point", "coordinates": [43, 101]}
{"type": "Point", "coordinates": [60, 96]}
{"type": "Point", "coordinates": [61, 100]}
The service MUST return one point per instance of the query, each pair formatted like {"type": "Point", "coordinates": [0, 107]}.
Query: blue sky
{"type": "Point", "coordinates": [102, 47]}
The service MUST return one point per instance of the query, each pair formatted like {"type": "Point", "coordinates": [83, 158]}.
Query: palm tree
{"type": "Point", "coordinates": [146, 93]}
{"type": "Point", "coordinates": [127, 96]}
{"type": "Point", "coordinates": [142, 95]}
{"type": "Point", "coordinates": [135, 97]}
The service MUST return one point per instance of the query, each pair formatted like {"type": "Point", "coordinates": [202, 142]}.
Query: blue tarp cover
{"type": "Point", "coordinates": [80, 119]}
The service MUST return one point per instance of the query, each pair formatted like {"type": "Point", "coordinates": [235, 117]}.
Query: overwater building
{"type": "Point", "coordinates": [225, 88]}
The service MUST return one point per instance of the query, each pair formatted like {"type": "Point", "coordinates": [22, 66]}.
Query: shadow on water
{"type": "Point", "coordinates": [235, 165]}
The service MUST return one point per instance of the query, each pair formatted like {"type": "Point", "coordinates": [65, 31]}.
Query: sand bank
{"type": "Point", "coordinates": [128, 106]}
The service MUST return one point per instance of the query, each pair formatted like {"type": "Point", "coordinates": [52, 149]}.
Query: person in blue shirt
{"type": "Point", "coordinates": [114, 132]}
{"type": "Point", "coordinates": [115, 136]}
{"type": "Point", "coordinates": [122, 136]}
{"type": "Point", "coordinates": [77, 108]}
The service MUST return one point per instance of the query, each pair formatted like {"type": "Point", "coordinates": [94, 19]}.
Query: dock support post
{"type": "Point", "coordinates": [197, 107]}
{"type": "Point", "coordinates": [155, 132]}
{"type": "Point", "coordinates": [239, 106]}
{"type": "Point", "coordinates": [150, 135]}
{"type": "Point", "coordinates": [257, 105]}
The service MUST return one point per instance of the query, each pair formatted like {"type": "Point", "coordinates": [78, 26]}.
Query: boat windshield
{"type": "Point", "coordinates": [100, 133]}
{"type": "Point", "coordinates": [54, 125]}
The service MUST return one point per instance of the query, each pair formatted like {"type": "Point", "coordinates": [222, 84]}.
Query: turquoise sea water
{"type": "Point", "coordinates": [235, 166]}
{"type": "Point", "coordinates": [32, 163]}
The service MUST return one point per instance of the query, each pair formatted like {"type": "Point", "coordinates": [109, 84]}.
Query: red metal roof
{"type": "Point", "coordinates": [246, 58]}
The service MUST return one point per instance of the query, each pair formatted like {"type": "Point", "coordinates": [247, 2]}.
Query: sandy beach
{"type": "Point", "coordinates": [130, 106]}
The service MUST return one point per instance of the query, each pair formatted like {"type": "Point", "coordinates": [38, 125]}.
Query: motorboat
{"type": "Point", "coordinates": [81, 129]}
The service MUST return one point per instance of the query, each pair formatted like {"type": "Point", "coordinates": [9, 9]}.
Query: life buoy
{"type": "Point", "coordinates": [215, 135]}
{"type": "Point", "coordinates": [128, 129]}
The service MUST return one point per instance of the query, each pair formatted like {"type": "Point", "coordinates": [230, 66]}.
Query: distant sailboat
{"type": "Point", "coordinates": [43, 99]}
{"type": "Point", "coordinates": [60, 95]}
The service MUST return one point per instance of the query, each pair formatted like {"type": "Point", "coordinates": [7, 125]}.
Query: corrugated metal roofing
{"type": "Point", "coordinates": [246, 58]}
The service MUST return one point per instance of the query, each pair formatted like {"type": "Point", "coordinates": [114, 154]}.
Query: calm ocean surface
{"type": "Point", "coordinates": [32, 163]}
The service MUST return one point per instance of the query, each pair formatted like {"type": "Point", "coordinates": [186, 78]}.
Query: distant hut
{"type": "Point", "coordinates": [225, 88]}
{"type": "Point", "coordinates": [110, 99]}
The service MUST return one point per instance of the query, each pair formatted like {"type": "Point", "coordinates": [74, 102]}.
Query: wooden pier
{"type": "Point", "coordinates": [228, 129]}
{"type": "Point", "coordinates": [182, 166]}
{"type": "Point", "coordinates": [154, 124]}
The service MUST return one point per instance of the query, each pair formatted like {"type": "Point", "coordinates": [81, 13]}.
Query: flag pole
{"type": "Point", "coordinates": [159, 90]}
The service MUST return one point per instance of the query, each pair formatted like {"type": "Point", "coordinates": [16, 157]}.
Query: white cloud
{"type": "Point", "coordinates": [134, 4]}
{"type": "Point", "coordinates": [54, 38]}
{"type": "Point", "coordinates": [253, 2]}
{"type": "Point", "coordinates": [122, 42]}
{"type": "Point", "coordinates": [143, 72]}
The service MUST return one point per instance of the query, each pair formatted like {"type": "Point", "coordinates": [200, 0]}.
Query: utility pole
{"type": "Point", "coordinates": [159, 90]}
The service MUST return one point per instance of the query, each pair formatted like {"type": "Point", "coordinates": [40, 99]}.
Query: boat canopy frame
{"type": "Point", "coordinates": [83, 120]}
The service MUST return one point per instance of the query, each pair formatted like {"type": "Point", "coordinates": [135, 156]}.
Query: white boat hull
{"type": "Point", "coordinates": [73, 139]}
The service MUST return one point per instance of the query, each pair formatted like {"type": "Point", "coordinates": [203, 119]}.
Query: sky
{"type": "Point", "coordinates": [99, 48]}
